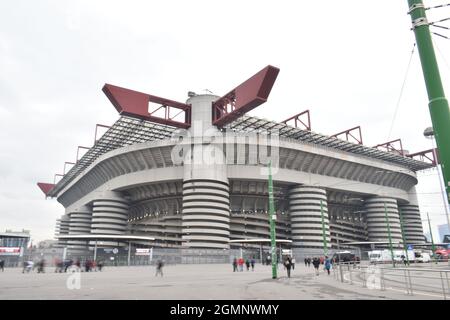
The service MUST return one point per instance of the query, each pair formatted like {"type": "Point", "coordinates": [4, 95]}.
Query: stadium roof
{"type": "Point", "coordinates": [128, 130]}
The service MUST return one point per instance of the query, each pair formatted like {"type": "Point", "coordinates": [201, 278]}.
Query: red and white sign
{"type": "Point", "coordinates": [9, 251]}
{"type": "Point", "coordinates": [142, 252]}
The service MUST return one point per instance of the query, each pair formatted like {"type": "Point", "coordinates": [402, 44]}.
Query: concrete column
{"type": "Point", "coordinates": [110, 214]}
{"type": "Point", "coordinates": [411, 219]}
{"type": "Point", "coordinates": [306, 219]}
{"type": "Point", "coordinates": [206, 200]}
{"type": "Point", "coordinates": [376, 220]}
{"type": "Point", "coordinates": [412, 223]}
{"type": "Point", "coordinates": [79, 223]}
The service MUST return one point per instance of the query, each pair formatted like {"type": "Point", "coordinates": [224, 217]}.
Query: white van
{"type": "Point", "coordinates": [422, 256]}
{"type": "Point", "coordinates": [384, 256]}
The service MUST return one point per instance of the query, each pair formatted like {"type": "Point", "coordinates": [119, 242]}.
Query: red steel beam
{"type": "Point", "coordinates": [390, 146]}
{"type": "Point", "coordinates": [45, 187]}
{"type": "Point", "coordinates": [78, 151]}
{"type": "Point", "coordinates": [96, 128]}
{"type": "Point", "coordinates": [348, 133]}
{"type": "Point", "coordinates": [135, 104]}
{"type": "Point", "coordinates": [245, 97]}
{"type": "Point", "coordinates": [306, 124]}
{"type": "Point", "coordinates": [57, 175]}
{"type": "Point", "coordinates": [66, 163]}
{"type": "Point", "coordinates": [431, 155]}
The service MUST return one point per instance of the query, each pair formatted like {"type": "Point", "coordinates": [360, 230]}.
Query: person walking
{"type": "Point", "coordinates": [241, 264]}
{"type": "Point", "coordinates": [2, 265]}
{"type": "Point", "coordinates": [309, 262]}
{"type": "Point", "coordinates": [316, 264]}
{"type": "Point", "coordinates": [252, 262]}
{"type": "Point", "coordinates": [247, 264]}
{"type": "Point", "coordinates": [327, 265]}
{"type": "Point", "coordinates": [288, 266]}
{"type": "Point", "coordinates": [159, 268]}
{"type": "Point", "coordinates": [293, 263]}
{"type": "Point", "coordinates": [235, 265]}
{"type": "Point", "coordinates": [306, 262]}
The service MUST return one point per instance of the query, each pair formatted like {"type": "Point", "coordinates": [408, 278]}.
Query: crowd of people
{"type": "Point", "coordinates": [238, 264]}
{"type": "Point", "coordinates": [62, 265]}
{"type": "Point", "coordinates": [288, 264]}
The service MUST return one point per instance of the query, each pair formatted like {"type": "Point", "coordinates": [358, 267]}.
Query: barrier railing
{"type": "Point", "coordinates": [430, 279]}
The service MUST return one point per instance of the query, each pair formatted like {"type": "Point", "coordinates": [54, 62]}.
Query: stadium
{"type": "Point", "coordinates": [193, 177]}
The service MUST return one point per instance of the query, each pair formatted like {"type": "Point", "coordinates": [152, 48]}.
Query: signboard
{"type": "Point", "coordinates": [142, 251]}
{"type": "Point", "coordinates": [10, 251]}
{"type": "Point", "coordinates": [115, 251]}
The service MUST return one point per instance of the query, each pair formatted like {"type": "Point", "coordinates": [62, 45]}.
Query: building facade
{"type": "Point", "coordinates": [199, 188]}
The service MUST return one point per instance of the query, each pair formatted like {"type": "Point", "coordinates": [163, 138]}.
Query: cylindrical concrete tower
{"type": "Point", "coordinates": [79, 223]}
{"type": "Point", "coordinates": [206, 204]}
{"type": "Point", "coordinates": [306, 218]}
{"type": "Point", "coordinates": [412, 222]}
{"type": "Point", "coordinates": [376, 220]}
{"type": "Point", "coordinates": [110, 214]}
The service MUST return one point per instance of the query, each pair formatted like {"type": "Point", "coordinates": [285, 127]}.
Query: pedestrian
{"type": "Point", "coordinates": [288, 266]}
{"type": "Point", "coordinates": [404, 260]}
{"type": "Point", "coordinates": [309, 262]}
{"type": "Point", "coordinates": [241, 264]}
{"type": "Point", "coordinates": [306, 262]}
{"type": "Point", "coordinates": [100, 265]}
{"type": "Point", "coordinates": [252, 262]}
{"type": "Point", "coordinates": [2, 265]}
{"type": "Point", "coordinates": [159, 267]}
{"type": "Point", "coordinates": [41, 266]}
{"type": "Point", "coordinates": [327, 265]}
{"type": "Point", "coordinates": [247, 264]}
{"type": "Point", "coordinates": [25, 266]}
{"type": "Point", "coordinates": [316, 264]}
{"type": "Point", "coordinates": [235, 264]}
{"type": "Point", "coordinates": [293, 263]}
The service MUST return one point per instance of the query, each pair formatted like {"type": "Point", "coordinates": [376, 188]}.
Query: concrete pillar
{"type": "Point", "coordinates": [79, 223]}
{"type": "Point", "coordinates": [306, 219]}
{"type": "Point", "coordinates": [411, 219]}
{"type": "Point", "coordinates": [206, 200]}
{"type": "Point", "coordinates": [110, 214]}
{"type": "Point", "coordinates": [376, 220]}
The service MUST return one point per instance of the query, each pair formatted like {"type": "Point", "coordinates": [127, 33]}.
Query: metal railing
{"type": "Point", "coordinates": [430, 279]}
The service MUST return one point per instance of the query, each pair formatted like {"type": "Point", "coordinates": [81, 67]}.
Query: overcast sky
{"type": "Point", "coordinates": [343, 60]}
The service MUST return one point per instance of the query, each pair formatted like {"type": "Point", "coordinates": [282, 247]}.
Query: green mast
{"type": "Point", "coordinates": [438, 104]}
{"type": "Point", "coordinates": [324, 233]}
{"type": "Point", "coordinates": [272, 218]}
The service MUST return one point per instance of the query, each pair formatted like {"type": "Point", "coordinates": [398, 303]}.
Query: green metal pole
{"type": "Point", "coordinates": [389, 235]}
{"type": "Point", "coordinates": [403, 235]}
{"type": "Point", "coordinates": [272, 224]}
{"type": "Point", "coordinates": [438, 104]}
{"type": "Point", "coordinates": [431, 236]}
{"type": "Point", "coordinates": [324, 235]}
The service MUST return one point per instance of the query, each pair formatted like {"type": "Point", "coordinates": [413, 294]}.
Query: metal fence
{"type": "Point", "coordinates": [428, 280]}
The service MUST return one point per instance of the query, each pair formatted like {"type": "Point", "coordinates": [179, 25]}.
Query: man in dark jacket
{"type": "Point", "coordinates": [288, 265]}
{"type": "Point", "coordinates": [316, 264]}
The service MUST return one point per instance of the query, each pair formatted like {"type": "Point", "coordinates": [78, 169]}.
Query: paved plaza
{"type": "Point", "coordinates": [205, 282]}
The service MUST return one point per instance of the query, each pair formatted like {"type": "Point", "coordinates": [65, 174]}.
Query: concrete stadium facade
{"type": "Point", "coordinates": [202, 187]}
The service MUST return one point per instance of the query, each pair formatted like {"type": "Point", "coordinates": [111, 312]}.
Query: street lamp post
{"type": "Point", "coordinates": [431, 237]}
{"type": "Point", "coordinates": [403, 236]}
{"type": "Point", "coordinates": [324, 235]}
{"type": "Point", "coordinates": [389, 234]}
{"type": "Point", "coordinates": [272, 224]}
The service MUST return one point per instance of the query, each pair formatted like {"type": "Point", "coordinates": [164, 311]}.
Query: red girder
{"type": "Point", "coordinates": [431, 155]}
{"type": "Point", "coordinates": [45, 187]}
{"type": "Point", "coordinates": [348, 133]}
{"type": "Point", "coordinates": [78, 151]}
{"type": "Point", "coordinates": [390, 146]}
{"type": "Point", "coordinates": [245, 97]}
{"type": "Point", "coordinates": [297, 120]}
{"type": "Point", "coordinates": [96, 128]}
{"type": "Point", "coordinates": [135, 104]}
